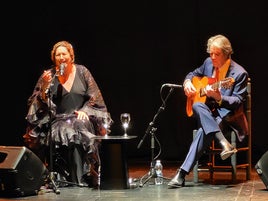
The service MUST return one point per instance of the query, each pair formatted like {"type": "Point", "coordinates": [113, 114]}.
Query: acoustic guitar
{"type": "Point", "coordinates": [200, 83]}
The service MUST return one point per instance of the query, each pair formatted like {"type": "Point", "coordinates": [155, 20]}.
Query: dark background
{"type": "Point", "coordinates": [132, 48]}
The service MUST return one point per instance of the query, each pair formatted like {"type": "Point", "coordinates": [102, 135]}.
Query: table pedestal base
{"type": "Point", "coordinates": [114, 168]}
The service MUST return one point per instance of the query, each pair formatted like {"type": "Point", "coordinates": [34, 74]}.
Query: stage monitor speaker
{"type": "Point", "coordinates": [262, 169]}
{"type": "Point", "coordinates": [22, 173]}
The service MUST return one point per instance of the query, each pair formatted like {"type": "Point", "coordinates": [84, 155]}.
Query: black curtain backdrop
{"type": "Point", "coordinates": [132, 48]}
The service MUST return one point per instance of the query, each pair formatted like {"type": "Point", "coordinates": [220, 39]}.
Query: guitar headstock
{"type": "Point", "coordinates": [227, 82]}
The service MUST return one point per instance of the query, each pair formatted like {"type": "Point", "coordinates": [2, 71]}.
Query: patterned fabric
{"type": "Point", "coordinates": [53, 121]}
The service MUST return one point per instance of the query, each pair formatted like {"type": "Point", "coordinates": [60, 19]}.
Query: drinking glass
{"type": "Point", "coordinates": [125, 119]}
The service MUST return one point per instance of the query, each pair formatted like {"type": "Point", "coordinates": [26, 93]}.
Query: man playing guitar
{"type": "Point", "coordinates": [215, 94]}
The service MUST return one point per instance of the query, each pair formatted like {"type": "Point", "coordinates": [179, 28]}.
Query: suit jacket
{"type": "Point", "coordinates": [233, 98]}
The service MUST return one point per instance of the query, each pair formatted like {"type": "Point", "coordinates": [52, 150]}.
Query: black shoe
{"type": "Point", "coordinates": [178, 180]}
{"type": "Point", "coordinates": [83, 184]}
{"type": "Point", "coordinates": [91, 181]}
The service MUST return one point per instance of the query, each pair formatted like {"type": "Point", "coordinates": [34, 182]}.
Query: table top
{"type": "Point", "coordinates": [115, 137]}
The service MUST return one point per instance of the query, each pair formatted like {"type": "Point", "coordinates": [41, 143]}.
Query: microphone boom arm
{"type": "Point", "coordinates": [151, 128]}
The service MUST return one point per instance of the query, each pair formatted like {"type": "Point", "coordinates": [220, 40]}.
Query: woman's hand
{"type": "Point", "coordinates": [81, 115]}
{"type": "Point", "coordinates": [47, 78]}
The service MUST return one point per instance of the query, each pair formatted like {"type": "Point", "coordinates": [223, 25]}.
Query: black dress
{"type": "Point", "coordinates": [75, 154]}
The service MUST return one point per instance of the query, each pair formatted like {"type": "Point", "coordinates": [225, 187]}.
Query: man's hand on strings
{"type": "Point", "coordinates": [213, 93]}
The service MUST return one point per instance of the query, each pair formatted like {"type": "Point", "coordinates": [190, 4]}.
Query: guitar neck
{"type": "Point", "coordinates": [216, 85]}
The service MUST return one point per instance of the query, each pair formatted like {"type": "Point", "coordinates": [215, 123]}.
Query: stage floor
{"type": "Point", "coordinates": [205, 190]}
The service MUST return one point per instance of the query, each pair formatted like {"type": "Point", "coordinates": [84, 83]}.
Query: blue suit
{"type": "Point", "coordinates": [231, 106]}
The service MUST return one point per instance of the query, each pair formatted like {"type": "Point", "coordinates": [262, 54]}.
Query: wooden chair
{"type": "Point", "coordinates": [234, 162]}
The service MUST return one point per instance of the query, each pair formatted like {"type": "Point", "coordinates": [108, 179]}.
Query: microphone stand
{"type": "Point", "coordinates": [52, 173]}
{"type": "Point", "coordinates": [151, 129]}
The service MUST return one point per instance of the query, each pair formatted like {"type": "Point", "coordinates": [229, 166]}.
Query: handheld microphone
{"type": "Point", "coordinates": [62, 67]}
{"type": "Point", "coordinates": [172, 85]}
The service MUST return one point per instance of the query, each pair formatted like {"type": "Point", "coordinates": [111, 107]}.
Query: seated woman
{"type": "Point", "coordinates": [65, 110]}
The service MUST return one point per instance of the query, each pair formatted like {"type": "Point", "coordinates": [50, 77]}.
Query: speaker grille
{"type": "Point", "coordinates": [22, 173]}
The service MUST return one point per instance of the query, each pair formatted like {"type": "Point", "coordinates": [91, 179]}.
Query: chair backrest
{"type": "Point", "coordinates": [248, 106]}
{"type": "Point", "coordinates": [248, 115]}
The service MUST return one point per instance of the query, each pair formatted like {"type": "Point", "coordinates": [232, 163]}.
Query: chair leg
{"type": "Point", "coordinates": [233, 157]}
{"type": "Point", "coordinates": [248, 174]}
{"type": "Point", "coordinates": [212, 162]}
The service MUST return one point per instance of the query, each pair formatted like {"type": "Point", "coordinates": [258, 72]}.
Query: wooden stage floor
{"type": "Point", "coordinates": [205, 190]}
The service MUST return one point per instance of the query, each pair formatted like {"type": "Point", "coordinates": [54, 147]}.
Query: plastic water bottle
{"type": "Point", "coordinates": [159, 173]}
